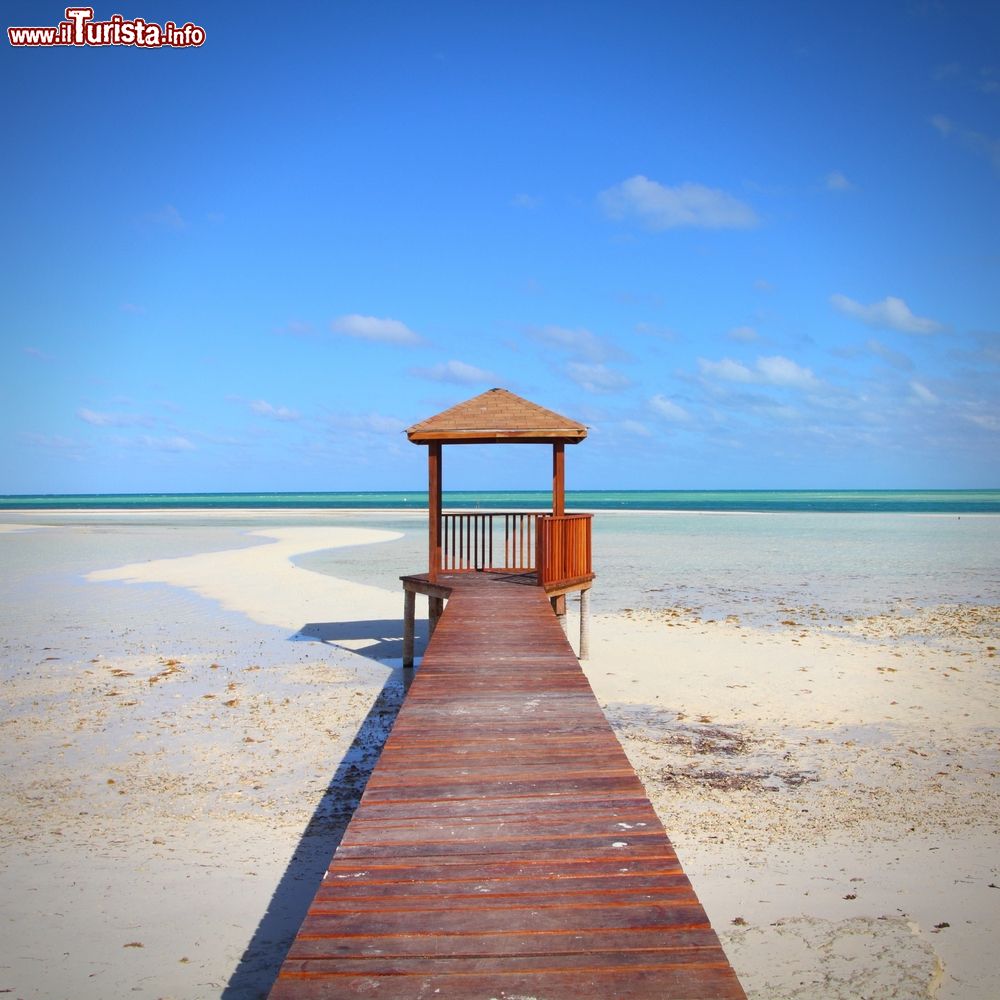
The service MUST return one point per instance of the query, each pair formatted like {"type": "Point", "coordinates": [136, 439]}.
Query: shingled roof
{"type": "Point", "coordinates": [497, 416]}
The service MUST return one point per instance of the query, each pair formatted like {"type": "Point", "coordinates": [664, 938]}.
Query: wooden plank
{"type": "Point", "coordinates": [703, 982]}
{"type": "Point", "coordinates": [499, 945]}
{"type": "Point", "coordinates": [503, 845]}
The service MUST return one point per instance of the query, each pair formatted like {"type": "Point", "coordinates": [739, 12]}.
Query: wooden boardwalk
{"type": "Point", "coordinates": [504, 847]}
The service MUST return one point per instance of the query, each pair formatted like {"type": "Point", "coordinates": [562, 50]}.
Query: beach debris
{"type": "Point", "coordinates": [134, 944]}
{"type": "Point", "coordinates": [170, 667]}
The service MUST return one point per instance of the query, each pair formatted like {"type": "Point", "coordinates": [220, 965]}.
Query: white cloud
{"type": "Point", "coordinates": [782, 371]}
{"type": "Point", "coordinates": [988, 145]}
{"type": "Point", "coordinates": [170, 444]}
{"type": "Point", "coordinates": [891, 357]}
{"type": "Point", "coordinates": [96, 419]}
{"type": "Point", "coordinates": [922, 393]}
{"type": "Point", "coordinates": [891, 313]}
{"type": "Point", "coordinates": [373, 423]}
{"type": "Point", "coordinates": [668, 408]}
{"type": "Point", "coordinates": [660, 207]}
{"type": "Point", "coordinates": [744, 334]}
{"type": "Point", "coordinates": [727, 370]}
{"type": "Point", "coordinates": [580, 343]}
{"type": "Point", "coordinates": [456, 371]}
{"type": "Point", "coordinates": [596, 377]}
{"type": "Point", "coordinates": [636, 428]}
{"type": "Point", "coordinates": [54, 441]}
{"type": "Point", "coordinates": [836, 181]}
{"type": "Point", "coordinates": [778, 412]}
{"type": "Point", "coordinates": [987, 421]}
{"type": "Point", "coordinates": [168, 217]}
{"type": "Point", "coordinates": [389, 331]}
{"type": "Point", "coordinates": [653, 330]}
{"type": "Point", "coordinates": [282, 413]}
{"type": "Point", "coordinates": [942, 124]}
{"type": "Point", "coordinates": [775, 370]}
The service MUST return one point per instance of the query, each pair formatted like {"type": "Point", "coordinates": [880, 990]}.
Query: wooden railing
{"type": "Point", "coordinates": [563, 547]}
{"type": "Point", "coordinates": [488, 540]}
{"type": "Point", "coordinates": [556, 547]}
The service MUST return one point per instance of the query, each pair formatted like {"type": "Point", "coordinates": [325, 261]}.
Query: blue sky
{"type": "Point", "coordinates": [750, 245]}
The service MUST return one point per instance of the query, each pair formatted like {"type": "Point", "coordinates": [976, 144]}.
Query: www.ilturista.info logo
{"type": "Point", "coordinates": [80, 29]}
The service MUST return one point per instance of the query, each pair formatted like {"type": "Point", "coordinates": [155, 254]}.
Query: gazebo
{"type": "Point", "coordinates": [551, 549]}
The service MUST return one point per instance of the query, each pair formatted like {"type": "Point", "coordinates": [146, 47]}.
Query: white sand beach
{"type": "Point", "coordinates": [189, 716]}
{"type": "Point", "coordinates": [833, 795]}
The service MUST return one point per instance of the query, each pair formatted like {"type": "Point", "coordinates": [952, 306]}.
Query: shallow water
{"type": "Point", "coordinates": [750, 565]}
{"type": "Point", "coordinates": [753, 565]}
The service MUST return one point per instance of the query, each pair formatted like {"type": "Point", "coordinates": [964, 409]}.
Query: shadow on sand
{"type": "Point", "coordinates": [260, 962]}
{"type": "Point", "coordinates": [383, 638]}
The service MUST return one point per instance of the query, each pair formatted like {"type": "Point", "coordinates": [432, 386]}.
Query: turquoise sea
{"type": "Point", "coordinates": [737, 501]}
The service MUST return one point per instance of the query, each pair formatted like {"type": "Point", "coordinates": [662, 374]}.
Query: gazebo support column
{"type": "Point", "coordinates": [558, 509]}
{"type": "Point", "coordinates": [558, 479]}
{"type": "Point", "coordinates": [434, 509]}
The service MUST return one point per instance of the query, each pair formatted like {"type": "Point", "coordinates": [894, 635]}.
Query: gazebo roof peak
{"type": "Point", "coordinates": [497, 416]}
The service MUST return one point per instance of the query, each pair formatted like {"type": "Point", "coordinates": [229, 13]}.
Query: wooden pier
{"type": "Point", "coordinates": [504, 848]}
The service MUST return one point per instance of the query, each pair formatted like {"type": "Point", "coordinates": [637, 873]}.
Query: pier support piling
{"type": "Point", "coordinates": [409, 616]}
{"type": "Point", "coordinates": [435, 608]}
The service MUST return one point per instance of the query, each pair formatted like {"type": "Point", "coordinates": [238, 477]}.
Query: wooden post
{"type": "Point", "coordinates": [409, 614]}
{"type": "Point", "coordinates": [435, 607]}
{"type": "Point", "coordinates": [585, 624]}
{"type": "Point", "coordinates": [558, 479]}
{"type": "Point", "coordinates": [433, 509]}
{"type": "Point", "coordinates": [559, 609]}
